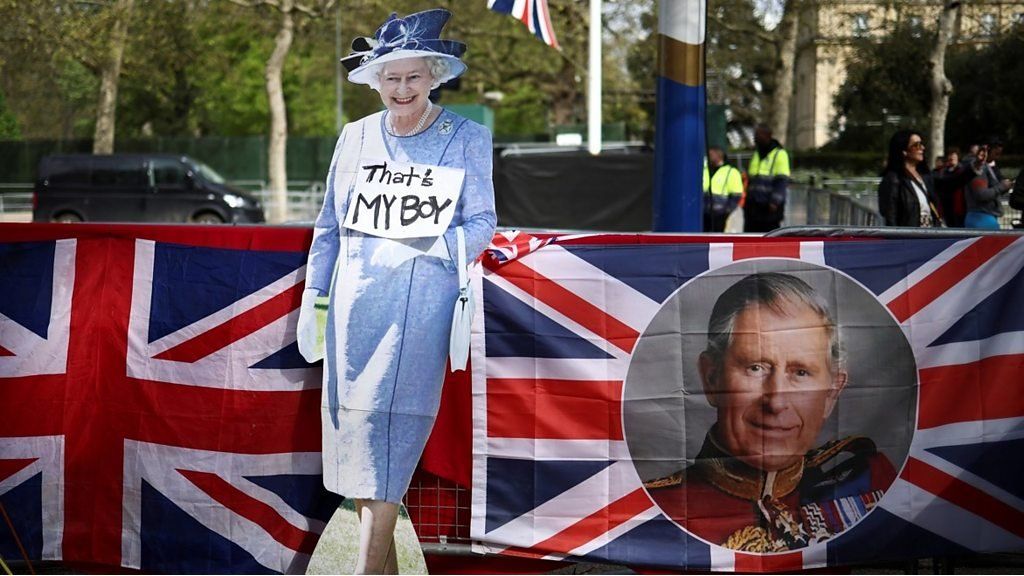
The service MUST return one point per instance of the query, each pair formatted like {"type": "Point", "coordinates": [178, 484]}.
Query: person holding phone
{"type": "Point", "coordinates": [983, 193]}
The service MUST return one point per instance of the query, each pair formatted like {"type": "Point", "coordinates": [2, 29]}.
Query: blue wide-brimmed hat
{"type": "Point", "coordinates": [415, 36]}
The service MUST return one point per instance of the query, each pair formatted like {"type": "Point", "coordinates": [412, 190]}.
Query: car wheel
{"type": "Point", "coordinates": [206, 218]}
{"type": "Point", "coordinates": [67, 217]}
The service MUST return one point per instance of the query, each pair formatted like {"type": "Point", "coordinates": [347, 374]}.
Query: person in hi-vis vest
{"type": "Point", "coordinates": [723, 189]}
{"type": "Point", "coordinates": [768, 173]}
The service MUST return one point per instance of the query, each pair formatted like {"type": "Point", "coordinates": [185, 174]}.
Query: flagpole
{"type": "Point", "coordinates": [594, 87]}
{"type": "Point", "coordinates": [679, 133]}
{"type": "Point", "coordinates": [339, 110]}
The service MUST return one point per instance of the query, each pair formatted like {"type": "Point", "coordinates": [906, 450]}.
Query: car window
{"type": "Point", "coordinates": [209, 174]}
{"type": "Point", "coordinates": [115, 172]}
{"type": "Point", "coordinates": [64, 172]}
{"type": "Point", "coordinates": [168, 173]}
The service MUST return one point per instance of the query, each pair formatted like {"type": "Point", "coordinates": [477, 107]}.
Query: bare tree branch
{"type": "Point", "coordinates": [754, 30]}
{"type": "Point", "coordinates": [253, 3]}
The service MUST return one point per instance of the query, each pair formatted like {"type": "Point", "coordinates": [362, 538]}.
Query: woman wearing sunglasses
{"type": "Point", "coordinates": [907, 193]}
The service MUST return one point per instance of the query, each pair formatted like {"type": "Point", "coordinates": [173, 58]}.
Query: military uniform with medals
{"type": "Point", "coordinates": [723, 500]}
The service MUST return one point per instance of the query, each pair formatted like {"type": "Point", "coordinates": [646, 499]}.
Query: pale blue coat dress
{"type": "Point", "coordinates": [388, 324]}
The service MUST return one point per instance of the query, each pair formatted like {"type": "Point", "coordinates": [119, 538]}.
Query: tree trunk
{"type": "Point", "coordinates": [565, 96]}
{"type": "Point", "coordinates": [110, 73]}
{"type": "Point", "coordinates": [940, 85]}
{"type": "Point", "coordinates": [783, 94]}
{"type": "Point", "coordinates": [278, 116]}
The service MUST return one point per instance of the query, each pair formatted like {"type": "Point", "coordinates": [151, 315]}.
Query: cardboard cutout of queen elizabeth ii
{"type": "Point", "coordinates": [391, 300]}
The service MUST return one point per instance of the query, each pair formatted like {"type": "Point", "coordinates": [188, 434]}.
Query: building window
{"type": "Point", "coordinates": [988, 24]}
{"type": "Point", "coordinates": [916, 26]}
{"type": "Point", "coordinates": [860, 24]}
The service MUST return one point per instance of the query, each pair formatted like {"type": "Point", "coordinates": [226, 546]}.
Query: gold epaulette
{"type": "Point", "coordinates": [855, 444]}
{"type": "Point", "coordinates": [666, 481]}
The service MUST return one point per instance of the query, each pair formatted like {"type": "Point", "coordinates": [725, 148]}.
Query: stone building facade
{"type": "Point", "coordinates": [828, 31]}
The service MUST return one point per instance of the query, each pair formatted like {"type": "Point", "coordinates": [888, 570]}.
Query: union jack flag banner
{"type": "Point", "coordinates": [533, 13]}
{"type": "Point", "coordinates": [606, 428]}
{"type": "Point", "coordinates": [155, 411]}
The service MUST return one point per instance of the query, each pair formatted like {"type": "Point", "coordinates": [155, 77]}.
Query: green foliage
{"type": "Point", "coordinates": [642, 62]}
{"type": "Point", "coordinates": [309, 87]}
{"type": "Point", "coordinates": [197, 68]}
{"type": "Point", "coordinates": [740, 64]}
{"type": "Point", "coordinates": [521, 112]}
{"type": "Point", "coordinates": [986, 98]}
{"type": "Point", "coordinates": [840, 164]}
{"type": "Point", "coordinates": [42, 85]}
{"type": "Point", "coordinates": [233, 97]}
{"type": "Point", "coordinates": [77, 88]}
{"type": "Point", "coordinates": [158, 90]}
{"type": "Point", "coordinates": [739, 58]}
{"type": "Point", "coordinates": [886, 89]}
{"type": "Point", "coordinates": [8, 123]}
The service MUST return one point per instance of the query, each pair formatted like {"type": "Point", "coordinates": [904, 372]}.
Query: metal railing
{"type": "Point", "coordinates": [305, 197]}
{"type": "Point", "coordinates": [848, 201]}
{"type": "Point", "coordinates": [303, 203]}
{"type": "Point", "coordinates": [440, 511]}
{"type": "Point", "coordinates": [865, 192]}
{"type": "Point", "coordinates": [861, 190]}
{"type": "Point", "coordinates": [818, 206]}
{"type": "Point", "coordinates": [15, 202]}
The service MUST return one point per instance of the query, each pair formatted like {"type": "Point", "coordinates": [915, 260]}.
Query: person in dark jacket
{"type": "Point", "coordinates": [906, 194]}
{"type": "Point", "coordinates": [768, 172]}
{"type": "Point", "coordinates": [982, 194]}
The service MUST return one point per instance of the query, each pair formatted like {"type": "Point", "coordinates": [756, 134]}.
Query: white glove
{"type": "Point", "coordinates": [307, 333]}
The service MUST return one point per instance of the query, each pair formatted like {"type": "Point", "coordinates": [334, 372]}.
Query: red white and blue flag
{"type": "Point", "coordinates": [511, 245]}
{"type": "Point", "coordinates": [554, 337]}
{"type": "Point", "coordinates": [533, 13]}
{"type": "Point", "coordinates": [155, 411]}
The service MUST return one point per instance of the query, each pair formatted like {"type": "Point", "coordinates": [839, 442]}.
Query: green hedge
{"type": "Point", "coordinates": [853, 164]}
{"type": "Point", "coordinates": [236, 158]}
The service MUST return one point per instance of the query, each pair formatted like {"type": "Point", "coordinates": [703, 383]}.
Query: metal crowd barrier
{"type": "Point", "coordinates": [305, 197]}
{"type": "Point", "coordinates": [440, 511]}
{"type": "Point", "coordinates": [842, 202]}
{"type": "Point", "coordinates": [865, 192]}
{"type": "Point", "coordinates": [15, 202]}
{"type": "Point", "coordinates": [813, 206]}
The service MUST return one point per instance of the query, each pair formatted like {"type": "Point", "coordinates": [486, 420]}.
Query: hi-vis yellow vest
{"type": "Point", "coordinates": [725, 182]}
{"type": "Point", "coordinates": [775, 164]}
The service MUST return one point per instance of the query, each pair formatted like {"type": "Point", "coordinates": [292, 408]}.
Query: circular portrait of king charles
{"type": "Point", "coordinates": [769, 405]}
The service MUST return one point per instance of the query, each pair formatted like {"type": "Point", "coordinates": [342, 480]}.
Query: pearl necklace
{"type": "Point", "coordinates": [419, 125]}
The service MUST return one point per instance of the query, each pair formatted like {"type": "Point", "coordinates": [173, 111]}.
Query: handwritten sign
{"type": "Point", "coordinates": [403, 200]}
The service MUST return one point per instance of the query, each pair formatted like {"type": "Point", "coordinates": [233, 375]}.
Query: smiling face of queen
{"type": "Point", "coordinates": [405, 86]}
{"type": "Point", "coordinates": [775, 385]}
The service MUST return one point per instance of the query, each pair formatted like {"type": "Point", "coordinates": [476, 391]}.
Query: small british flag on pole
{"type": "Point", "coordinates": [533, 13]}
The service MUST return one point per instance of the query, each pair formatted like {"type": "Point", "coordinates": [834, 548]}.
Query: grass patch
{"type": "Point", "coordinates": [338, 548]}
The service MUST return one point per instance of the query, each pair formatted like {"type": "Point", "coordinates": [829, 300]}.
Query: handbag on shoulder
{"type": "Point", "coordinates": [462, 316]}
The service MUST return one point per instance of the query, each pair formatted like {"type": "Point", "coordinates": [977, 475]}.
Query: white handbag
{"type": "Point", "coordinates": [734, 222]}
{"type": "Point", "coordinates": [462, 316]}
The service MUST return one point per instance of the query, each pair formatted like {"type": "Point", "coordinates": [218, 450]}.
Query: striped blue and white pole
{"type": "Point", "coordinates": [679, 137]}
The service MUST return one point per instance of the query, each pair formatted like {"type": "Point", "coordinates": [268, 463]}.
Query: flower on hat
{"type": "Point", "coordinates": [416, 35]}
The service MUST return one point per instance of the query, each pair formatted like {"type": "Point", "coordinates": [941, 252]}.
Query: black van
{"type": "Point", "coordinates": [137, 188]}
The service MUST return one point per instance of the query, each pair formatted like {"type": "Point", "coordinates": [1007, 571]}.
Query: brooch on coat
{"type": "Point", "coordinates": [446, 126]}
